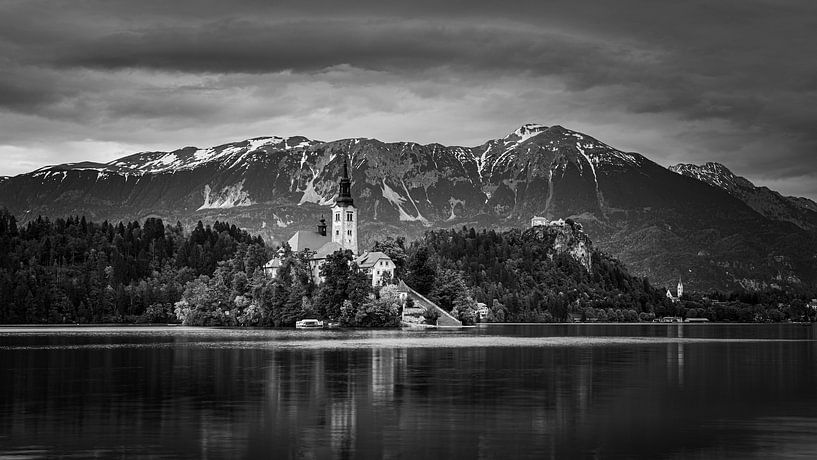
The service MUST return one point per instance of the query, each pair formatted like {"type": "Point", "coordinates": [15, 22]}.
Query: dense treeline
{"type": "Point", "coordinates": [519, 277]}
{"type": "Point", "coordinates": [72, 270]}
{"type": "Point", "coordinates": [75, 271]}
{"type": "Point", "coordinates": [771, 305]}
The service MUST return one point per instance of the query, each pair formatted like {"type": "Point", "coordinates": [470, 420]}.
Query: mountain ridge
{"type": "Point", "coordinates": [771, 204]}
{"type": "Point", "coordinates": [662, 224]}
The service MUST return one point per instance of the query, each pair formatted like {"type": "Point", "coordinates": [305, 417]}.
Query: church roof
{"type": "Point", "coordinates": [369, 259]}
{"type": "Point", "coordinates": [328, 248]}
{"type": "Point", "coordinates": [306, 239]}
{"type": "Point", "coordinates": [345, 193]}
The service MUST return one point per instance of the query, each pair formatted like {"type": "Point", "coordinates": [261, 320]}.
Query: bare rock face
{"type": "Point", "coordinates": [565, 236]}
{"type": "Point", "coordinates": [659, 223]}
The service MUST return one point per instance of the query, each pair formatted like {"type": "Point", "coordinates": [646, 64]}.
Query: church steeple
{"type": "Point", "coordinates": [345, 193]}
{"type": "Point", "coordinates": [322, 227]}
{"type": "Point", "coordinates": [344, 214]}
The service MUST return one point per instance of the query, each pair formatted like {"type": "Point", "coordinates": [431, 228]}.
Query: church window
{"type": "Point", "coordinates": [337, 217]}
{"type": "Point", "coordinates": [349, 232]}
{"type": "Point", "coordinates": [337, 232]}
{"type": "Point", "coordinates": [348, 217]}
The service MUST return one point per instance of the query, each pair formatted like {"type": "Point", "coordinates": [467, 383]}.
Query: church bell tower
{"type": "Point", "coordinates": [344, 215]}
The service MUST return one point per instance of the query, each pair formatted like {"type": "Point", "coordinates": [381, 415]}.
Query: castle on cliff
{"type": "Point", "coordinates": [343, 236]}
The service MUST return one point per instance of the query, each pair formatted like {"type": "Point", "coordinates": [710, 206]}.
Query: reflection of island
{"type": "Point", "coordinates": [496, 402]}
{"type": "Point", "coordinates": [225, 401]}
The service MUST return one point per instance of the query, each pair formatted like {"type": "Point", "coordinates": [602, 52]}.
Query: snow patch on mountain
{"type": "Point", "coordinates": [481, 161]}
{"type": "Point", "coordinates": [229, 197]}
{"type": "Point", "coordinates": [280, 222]}
{"type": "Point", "coordinates": [590, 163]}
{"type": "Point", "coordinates": [258, 142]}
{"type": "Point", "coordinates": [612, 157]}
{"type": "Point", "coordinates": [395, 199]}
{"type": "Point", "coordinates": [311, 195]}
{"type": "Point", "coordinates": [454, 202]}
{"type": "Point", "coordinates": [525, 132]}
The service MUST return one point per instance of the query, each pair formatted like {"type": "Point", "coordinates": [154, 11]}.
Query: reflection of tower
{"type": "Point", "coordinates": [680, 288]}
{"type": "Point", "coordinates": [382, 365]}
{"type": "Point", "coordinates": [344, 215]}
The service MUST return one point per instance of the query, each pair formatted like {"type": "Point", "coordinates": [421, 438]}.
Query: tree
{"type": "Point", "coordinates": [395, 248]}
{"type": "Point", "coordinates": [465, 310]}
{"type": "Point", "coordinates": [431, 315]}
{"type": "Point", "coordinates": [342, 280]}
{"type": "Point", "coordinates": [377, 311]}
{"type": "Point", "coordinates": [448, 286]}
{"type": "Point", "coordinates": [497, 312]}
{"type": "Point", "coordinates": [420, 271]}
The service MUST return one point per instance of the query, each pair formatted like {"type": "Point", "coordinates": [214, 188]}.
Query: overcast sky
{"type": "Point", "coordinates": [733, 81]}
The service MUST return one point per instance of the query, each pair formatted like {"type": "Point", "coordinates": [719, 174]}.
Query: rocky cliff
{"type": "Point", "coordinates": [565, 237]}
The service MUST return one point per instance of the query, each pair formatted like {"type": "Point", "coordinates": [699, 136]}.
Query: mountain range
{"type": "Point", "coordinates": [700, 223]}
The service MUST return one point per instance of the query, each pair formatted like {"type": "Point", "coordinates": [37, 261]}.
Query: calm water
{"type": "Point", "coordinates": [595, 391]}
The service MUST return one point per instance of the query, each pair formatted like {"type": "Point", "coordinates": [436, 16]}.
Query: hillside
{"type": "Point", "coordinates": [796, 210]}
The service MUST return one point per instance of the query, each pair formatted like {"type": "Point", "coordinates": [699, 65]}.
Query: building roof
{"type": "Point", "coordinates": [306, 239]}
{"type": "Point", "coordinates": [328, 248]}
{"type": "Point", "coordinates": [273, 263]}
{"type": "Point", "coordinates": [369, 259]}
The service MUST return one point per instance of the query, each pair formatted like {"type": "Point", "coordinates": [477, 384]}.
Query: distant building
{"type": "Point", "coordinates": [343, 236]}
{"type": "Point", "coordinates": [536, 220]}
{"type": "Point", "coordinates": [679, 291]}
{"type": "Point", "coordinates": [482, 311]}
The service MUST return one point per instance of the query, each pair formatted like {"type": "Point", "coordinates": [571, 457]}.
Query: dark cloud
{"type": "Point", "coordinates": [729, 80]}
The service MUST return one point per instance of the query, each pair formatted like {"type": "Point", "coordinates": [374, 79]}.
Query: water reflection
{"type": "Point", "coordinates": [199, 397]}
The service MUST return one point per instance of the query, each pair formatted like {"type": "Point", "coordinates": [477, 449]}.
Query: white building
{"type": "Point", "coordinates": [377, 265]}
{"type": "Point", "coordinates": [679, 290]}
{"type": "Point", "coordinates": [536, 220]}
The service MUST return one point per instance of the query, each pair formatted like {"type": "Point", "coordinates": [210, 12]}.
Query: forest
{"type": "Point", "coordinates": [519, 278]}
{"type": "Point", "coordinates": [75, 271]}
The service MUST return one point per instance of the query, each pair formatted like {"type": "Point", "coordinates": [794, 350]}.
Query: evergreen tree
{"type": "Point", "coordinates": [420, 270]}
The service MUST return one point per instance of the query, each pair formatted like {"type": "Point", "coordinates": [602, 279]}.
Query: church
{"type": "Point", "coordinates": [679, 291]}
{"type": "Point", "coordinates": [342, 236]}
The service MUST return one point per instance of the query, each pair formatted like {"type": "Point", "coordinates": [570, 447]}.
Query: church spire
{"type": "Point", "coordinates": [345, 193]}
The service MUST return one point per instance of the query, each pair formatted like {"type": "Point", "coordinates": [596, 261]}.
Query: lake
{"type": "Point", "coordinates": [498, 391]}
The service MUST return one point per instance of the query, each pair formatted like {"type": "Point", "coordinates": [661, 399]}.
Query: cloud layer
{"type": "Point", "coordinates": [733, 81]}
